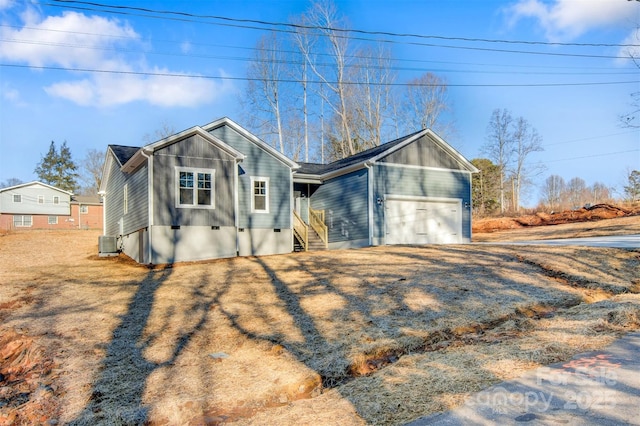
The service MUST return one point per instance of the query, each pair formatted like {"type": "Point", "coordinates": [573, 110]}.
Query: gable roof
{"type": "Point", "coordinates": [370, 156]}
{"type": "Point", "coordinates": [33, 183]}
{"type": "Point", "coordinates": [141, 155]}
{"type": "Point", "coordinates": [226, 121]}
{"type": "Point", "coordinates": [123, 153]}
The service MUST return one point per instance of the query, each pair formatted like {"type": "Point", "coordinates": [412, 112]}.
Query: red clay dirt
{"type": "Point", "coordinates": [593, 213]}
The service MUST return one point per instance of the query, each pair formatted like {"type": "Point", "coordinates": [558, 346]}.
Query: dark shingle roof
{"type": "Point", "coordinates": [123, 153]}
{"type": "Point", "coordinates": [361, 157]}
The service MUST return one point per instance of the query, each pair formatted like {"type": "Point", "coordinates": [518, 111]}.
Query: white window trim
{"type": "Point", "coordinates": [40, 199]}
{"type": "Point", "coordinates": [125, 199]}
{"type": "Point", "coordinates": [22, 225]}
{"type": "Point", "coordinates": [195, 171]}
{"type": "Point", "coordinates": [55, 222]}
{"type": "Point", "coordinates": [267, 194]}
{"type": "Point", "coordinates": [84, 209]}
{"type": "Point", "coordinates": [56, 199]}
{"type": "Point", "coordinates": [19, 198]}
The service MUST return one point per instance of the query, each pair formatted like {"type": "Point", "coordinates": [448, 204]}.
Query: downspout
{"type": "Point", "coordinates": [369, 167]}
{"type": "Point", "coordinates": [291, 207]}
{"type": "Point", "coordinates": [236, 206]}
{"type": "Point", "coordinates": [150, 203]}
{"type": "Point", "coordinates": [104, 211]}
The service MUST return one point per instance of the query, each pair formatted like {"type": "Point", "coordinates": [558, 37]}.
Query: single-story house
{"type": "Point", "coordinates": [37, 205]}
{"type": "Point", "coordinates": [218, 191]}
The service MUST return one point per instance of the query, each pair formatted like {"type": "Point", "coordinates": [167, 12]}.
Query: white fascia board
{"type": "Point", "coordinates": [32, 183]}
{"type": "Point", "coordinates": [106, 170]}
{"type": "Point", "coordinates": [302, 178]}
{"type": "Point", "coordinates": [330, 175]}
{"type": "Point", "coordinates": [253, 138]}
{"type": "Point", "coordinates": [141, 155]}
{"type": "Point", "coordinates": [397, 147]}
{"type": "Point", "coordinates": [453, 152]}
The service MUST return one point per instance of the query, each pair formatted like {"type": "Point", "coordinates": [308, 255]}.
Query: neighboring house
{"type": "Point", "coordinates": [219, 191]}
{"type": "Point", "coordinates": [35, 205]}
{"type": "Point", "coordinates": [86, 212]}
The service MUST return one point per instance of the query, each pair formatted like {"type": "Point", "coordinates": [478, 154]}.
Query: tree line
{"type": "Point", "coordinates": [316, 96]}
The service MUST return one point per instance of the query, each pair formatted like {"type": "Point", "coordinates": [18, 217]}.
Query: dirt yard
{"type": "Point", "coordinates": [372, 336]}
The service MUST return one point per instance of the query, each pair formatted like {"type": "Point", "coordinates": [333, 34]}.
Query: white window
{"type": "Point", "coordinates": [17, 198]}
{"type": "Point", "coordinates": [56, 199]}
{"type": "Point", "coordinates": [22, 221]}
{"type": "Point", "coordinates": [84, 209]}
{"type": "Point", "coordinates": [195, 188]}
{"type": "Point", "coordinates": [259, 194]}
{"type": "Point", "coordinates": [53, 220]}
{"type": "Point", "coordinates": [125, 198]}
{"type": "Point", "coordinates": [40, 199]}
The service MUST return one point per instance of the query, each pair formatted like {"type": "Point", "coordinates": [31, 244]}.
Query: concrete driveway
{"type": "Point", "coordinates": [614, 241]}
{"type": "Point", "coordinates": [595, 388]}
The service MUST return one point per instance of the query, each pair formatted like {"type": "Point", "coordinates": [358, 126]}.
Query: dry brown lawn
{"type": "Point", "coordinates": [378, 335]}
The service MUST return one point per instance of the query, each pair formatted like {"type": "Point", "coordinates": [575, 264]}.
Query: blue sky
{"type": "Point", "coordinates": [44, 96]}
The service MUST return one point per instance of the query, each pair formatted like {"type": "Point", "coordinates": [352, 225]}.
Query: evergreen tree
{"type": "Point", "coordinates": [58, 169]}
{"type": "Point", "coordinates": [633, 189]}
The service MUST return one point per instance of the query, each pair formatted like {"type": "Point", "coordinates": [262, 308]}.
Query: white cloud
{"type": "Point", "coordinates": [6, 4]}
{"type": "Point", "coordinates": [79, 42]}
{"type": "Point", "coordinates": [72, 40]}
{"type": "Point", "coordinates": [568, 19]}
{"type": "Point", "coordinates": [631, 51]}
{"type": "Point", "coordinates": [157, 90]}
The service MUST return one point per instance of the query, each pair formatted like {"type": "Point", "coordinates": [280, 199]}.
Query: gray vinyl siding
{"type": "Point", "coordinates": [420, 182]}
{"type": "Point", "coordinates": [197, 153]}
{"type": "Point", "coordinates": [29, 204]}
{"type": "Point", "coordinates": [423, 152]}
{"type": "Point", "coordinates": [137, 216]}
{"type": "Point", "coordinates": [260, 163]}
{"type": "Point", "coordinates": [345, 202]}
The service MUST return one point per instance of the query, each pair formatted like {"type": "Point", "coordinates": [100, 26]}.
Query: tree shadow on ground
{"type": "Point", "coordinates": [117, 392]}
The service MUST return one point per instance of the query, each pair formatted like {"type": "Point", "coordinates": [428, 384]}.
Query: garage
{"type": "Point", "coordinates": [423, 221]}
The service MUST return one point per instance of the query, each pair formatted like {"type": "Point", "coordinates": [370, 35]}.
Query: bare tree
{"type": "Point", "coordinates": [368, 100]}
{"type": "Point", "coordinates": [425, 100]}
{"type": "Point", "coordinates": [91, 171]}
{"type": "Point", "coordinates": [323, 15]}
{"type": "Point", "coordinates": [11, 182]}
{"type": "Point", "coordinates": [263, 92]}
{"type": "Point", "coordinates": [553, 191]}
{"type": "Point", "coordinates": [599, 193]}
{"type": "Point", "coordinates": [526, 141]}
{"type": "Point", "coordinates": [499, 146]}
{"type": "Point", "coordinates": [164, 129]}
{"type": "Point", "coordinates": [576, 192]}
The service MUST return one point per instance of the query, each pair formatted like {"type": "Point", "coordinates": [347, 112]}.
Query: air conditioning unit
{"type": "Point", "coordinates": [107, 245]}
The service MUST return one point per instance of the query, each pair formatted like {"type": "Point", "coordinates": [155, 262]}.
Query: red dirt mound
{"type": "Point", "coordinates": [25, 382]}
{"type": "Point", "coordinates": [585, 214]}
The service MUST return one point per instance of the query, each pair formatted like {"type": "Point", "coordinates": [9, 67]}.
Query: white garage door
{"type": "Point", "coordinates": [420, 221]}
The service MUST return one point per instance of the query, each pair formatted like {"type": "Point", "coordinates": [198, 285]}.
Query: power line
{"type": "Point", "coordinates": [187, 17]}
{"type": "Point", "coordinates": [590, 138]}
{"type": "Point", "coordinates": [211, 77]}
{"type": "Point", "coordinates": [342, 30]}
{"type": "Point", "coordinates": [294, 62]}
{"type": "Point", "coordinates": [281, 51]}
{"type": "Point", "coordinates": [607, 154]}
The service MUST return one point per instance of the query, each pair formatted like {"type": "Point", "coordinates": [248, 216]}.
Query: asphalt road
{"type": "Point", "coordinates": [614, 241]}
